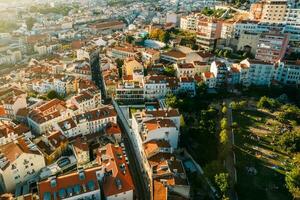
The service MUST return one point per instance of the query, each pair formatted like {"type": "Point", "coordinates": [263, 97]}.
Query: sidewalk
{"type": "Point", "coordinates": [230, 159]}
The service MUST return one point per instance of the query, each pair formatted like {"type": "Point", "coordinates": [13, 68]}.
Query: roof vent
{"type": "Point", "coordinates": [119, 184]}
{"type": "Point", "coordinates": [81, 175]}
{"type": "Point", "coordinates": [53, 182]}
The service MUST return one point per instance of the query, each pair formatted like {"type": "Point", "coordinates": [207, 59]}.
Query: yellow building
{"type": "Point", "coordinates": [274, 11]}
{"type": "Point", "coordinates": [131, 65]}
{"type": "Point", "coordinates": [52, 146]}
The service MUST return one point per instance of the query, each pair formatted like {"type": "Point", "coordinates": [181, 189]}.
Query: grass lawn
{"type": "Point", "coordinates": [254, 150]}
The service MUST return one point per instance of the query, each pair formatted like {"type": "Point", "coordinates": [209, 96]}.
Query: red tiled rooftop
{"type": "Point", "coordinates": [118, 175]}
{"type": "Point", "coordinates": [71, 180]}
{"type": "Point", "coordinates": [175, 54]}
{"type": "Point", "coordinates": [208, 75]}
{"type": "Point", "coordinates": [154, 124]}
{"type": "Point", "coordinates": [112, 129]}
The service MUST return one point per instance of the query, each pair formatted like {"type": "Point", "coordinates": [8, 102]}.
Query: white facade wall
{"type": "Point", "coordinates": [12, 136]}
{"type": "Point", "coordinates": [287, 73]}
{"type": "Point", "coordinates": [155, 90]}
{"type": "Point", "coordinates": [170, 134]}
{"type": "Point", "coordinates": [21, 172]}
{"type": "Point", "coordinates": [128, 195]}
{"type": "Point", "coordinates": [12, 109]}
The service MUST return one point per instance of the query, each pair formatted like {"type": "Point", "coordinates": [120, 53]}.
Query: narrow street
{"type": "Point", "coordinates": [141, 187]}
{"type": "Point", "coordinates": [230, 159]}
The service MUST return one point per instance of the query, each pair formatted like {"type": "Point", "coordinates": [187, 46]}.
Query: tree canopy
{"type": "Point", "coordinates": [53, 95]}
{"type": "Point", "coordinates": [159, 34]}
{"type": "Point", "coordinates": [268, 103]}
{"type": "Point", "coordinates": [292, 180]}
{"type": "Point", "coordinates": [30, 21]}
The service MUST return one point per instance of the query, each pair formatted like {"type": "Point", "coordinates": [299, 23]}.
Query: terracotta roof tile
{"type": "Point", "coordinates": [118, 178]}
{"type": "Point", "coordinates": [59, 186]}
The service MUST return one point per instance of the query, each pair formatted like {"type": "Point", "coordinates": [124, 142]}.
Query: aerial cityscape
{"type": "Point", "coordinates": [149, 99]}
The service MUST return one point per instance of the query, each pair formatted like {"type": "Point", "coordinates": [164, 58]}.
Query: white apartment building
{"type": "Point", "coordinates": [87, 99]}
{"type": "Point", "coordinates": [12, 104]}
{"type": "Point", "coordinates": [81, 184]}
{"type": "Point", "coordinates": [287, 72]}
{"type": "Point", "coordinates": [185, 70]}
{"type": "Point", "coordinates": [150, 125]}
{"type": "Point", "coordinates": [155, 87]}
{"type": "Point", "coordinates": [19, 162]}
{"type": "Point", "coordinates": [220, 71]}
{"type": "Point", "coordinates": [187, 85]}
{"type": "Point", "coordinates": [130, 91]}
{"type": "Point", "coordinates": [9, 132]}
{"type": "Point", "coordinates": [60, 86]}
{"type": "Point", "coordinates": [115, 177]}
{"type": "Point", "coordinates": [88, 122]}
{"type": "Point", "coordinates": [189, 22]}
{"type": "Point", "coordinates": [209, 79]}
{"type": "Point", "coordinates": [81, 151]}
{"type": "Point", "coordinates": [174, 56]}
{"type": "Point", "coordinates": [43, 86]}
{"type": "Point", "coordinates": [43, 117]}
{"type": "Point", "coordinates": [43, 49]}
{"type": "Point", "coordinates": [257, 72]}
{"type": "Point", "coordinates": [248, 26]}
{"type": "Point", "coordinates": [123, 52]}
{"type": "Point", "coordinates": [10, 57]}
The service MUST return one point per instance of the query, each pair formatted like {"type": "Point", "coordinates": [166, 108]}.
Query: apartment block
{"type": "Point", "coordinates": [20, 161]}
{"type": "Point", "coordinates": [208, 31]}
{"type": "Point", "coordinates": [80, 184]}
{"type": "Point", "coordinates": [272, 47]}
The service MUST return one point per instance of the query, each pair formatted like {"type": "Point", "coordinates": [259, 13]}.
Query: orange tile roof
{"type": "Point", "coordinates": [151, 51]}
{"type": "Point", "coordinates": [112, 128]}
{"type": "Point", "coordinates": [198, 78]}
{"type": "Point", "coordinates": [36, 38]}
{"type": "Point", "coordinates": [23, 112]}
{"type": "Point", "coordinates": [186, 79]}
{"type": "Point", "coordinates": [160, 192]}
{"type": "Point", "coordinates": [2, 111]}
{"type": "Point", "coordinates": [13, 150]}
{"type": "Point", "coordinates": [175, 54]}
{"type": "Point", "coordinates": [152, 147]}
{"type": "Point", "coordinates": [163, 113]}
{"type": "Point", "coordinates": [72, 180]}
{"type": "Point", "coordinates": [205, 54]}
{"type": "Point", "coordinates": [106, 25]}
{"type": "Point", "coordinates": [208, 75]}
{"type": "Point", "coordinates": [96, 114]}
{"type": "Point", "coordinates": [186, 65]}
{"type": "Point", "coordinates": [234, 70]}
{"type": "Point", "coordinates": [80, 145]}
{"type": "Point", "coordinates": [154, 124]}
{"type": "Point", "coordinates": [47, 111]}
{"type": "Point", "coordinates": [118, 178]}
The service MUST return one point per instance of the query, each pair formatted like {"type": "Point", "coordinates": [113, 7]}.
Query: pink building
{"type": "Point", "coordinates": [208, 31]}
{"type": "Point", "coordinates": [272, 47]}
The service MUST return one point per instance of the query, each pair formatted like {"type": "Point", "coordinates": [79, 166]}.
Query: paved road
{"type": "Point", "coordinates": [230, 159]}
{"type": "Point", "coordinates": [142, 190]}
